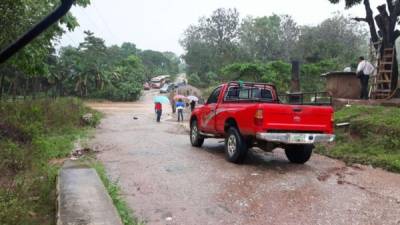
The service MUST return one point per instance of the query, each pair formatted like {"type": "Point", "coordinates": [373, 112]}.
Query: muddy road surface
{"type": "Point", "coordinates": [166, 181]}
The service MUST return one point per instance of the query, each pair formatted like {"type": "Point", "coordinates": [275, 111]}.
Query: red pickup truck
{"type": "Point", "coordinates": [252, 115]}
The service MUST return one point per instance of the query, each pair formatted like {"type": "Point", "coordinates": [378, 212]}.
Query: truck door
{"type": "Point", "coordinates": [209, 113]}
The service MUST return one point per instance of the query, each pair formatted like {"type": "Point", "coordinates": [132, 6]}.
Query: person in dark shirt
{"type": "Point", "coordinates": [158, 109]}
{"type": "Point", "coordinates": [192, 105]}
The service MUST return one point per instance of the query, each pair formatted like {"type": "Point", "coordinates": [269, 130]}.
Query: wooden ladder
{"type": "Point", "coordinates": [381, 87]}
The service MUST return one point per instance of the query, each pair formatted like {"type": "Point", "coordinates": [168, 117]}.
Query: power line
{"type": "Point", "coordinates": [105, 24]}
{"type": "Point", "coordinates": [92, 22]}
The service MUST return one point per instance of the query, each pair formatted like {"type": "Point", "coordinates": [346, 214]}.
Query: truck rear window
{"type": "Point", "coordinates": [248, 93]}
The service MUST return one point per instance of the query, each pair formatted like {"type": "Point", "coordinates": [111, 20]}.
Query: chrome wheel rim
{"type": "Point", "coordinates": [194, 133]}
{"type": "Point", "coordinates": [231, 145]}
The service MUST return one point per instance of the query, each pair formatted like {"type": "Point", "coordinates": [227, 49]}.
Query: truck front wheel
{"type": "Point", "coordinates": [235, 146]}
{"type": "Point", "coordinates": [196, 139]}
{"type": "Point", "coordinates": [298, 153]}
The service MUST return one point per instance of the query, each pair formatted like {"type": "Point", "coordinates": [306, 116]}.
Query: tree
{"type": "Point", "coordinates": [157, 63]}
{"type": "Point", "coordinates": [173, 64]}
{"type": "Point", "coordinates": [94, 70]}
{"type": "Point", "coordinates": [336, 38]}
{"type": "Point", "coordinates": [67, 67]}
{"type": "Point", "coordinates": [269, 37]}
{"type": "Point", "coordinates": [17, 16]}
{"type": "Point", "coordinates": [93, 52]}
{"type": "Point", "coordinates": [212, 43]}
{"type": "Point", "coordinates": [259, 37]}
{"type": "Point", "coordinates": [386, 21]}
{"type": "Point", "coordinates": [200, 58]}
{"type": "Point", "coordinates": [290, 33]}
{"type": "Point", "coordinates": [275, 72]}
{"type": "Point", "coordinates": [221, 28]}
{"type": "Point", "coordinates": [263, 46]}
{"type": "Point", "coordinates": [128, 49]}
{"type": "Point", "coordinates": [126, 84]}
{"type": "Point", "coordinates": [244, 71]}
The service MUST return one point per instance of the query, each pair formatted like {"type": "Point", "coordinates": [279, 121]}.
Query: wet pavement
{"type": "Point", "coordinates": [166, 181]}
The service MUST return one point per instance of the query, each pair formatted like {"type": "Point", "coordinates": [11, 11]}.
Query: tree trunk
{"type": "Point", "coordinates": [26, 88]}
{"type": "Point", "coordinates": [61, 89]}
{"type": "Point", "coordinates": [10, 88]}
{"type": "Point", "coordinates": [2, 85]}
{"type": "Point", "coordinates": [371, 24]}
{"type": "Point", "coordinates": [386, 23]}
{"type": "Point", "coordinates": [33, 88]}
{"type": "Point", "coordinates": [15, 84]}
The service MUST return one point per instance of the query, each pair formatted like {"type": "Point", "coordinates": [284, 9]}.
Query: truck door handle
{"type": "Point", "coordinates": [297, 110]}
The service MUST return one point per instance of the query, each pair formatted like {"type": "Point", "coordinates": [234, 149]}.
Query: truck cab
{"type": "Point", "coordinates": [253, 115]}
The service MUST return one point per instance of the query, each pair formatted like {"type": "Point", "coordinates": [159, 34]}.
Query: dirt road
{"type": "Point", "coordinates": [166, 181]}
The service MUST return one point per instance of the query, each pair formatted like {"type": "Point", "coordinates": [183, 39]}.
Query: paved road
{"type": "Point", "coordinates": [166, 181]}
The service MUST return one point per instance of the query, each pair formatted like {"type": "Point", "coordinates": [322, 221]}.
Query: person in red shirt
{"type": "Point", "coordinates": [158, 109]}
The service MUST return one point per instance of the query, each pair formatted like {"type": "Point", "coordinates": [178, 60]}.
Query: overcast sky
{"type": "Point", "coordinates": [159, 24]}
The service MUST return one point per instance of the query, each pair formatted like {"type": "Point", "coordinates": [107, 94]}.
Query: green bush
{"type": "Point", "coordinates": [11, 155]}
{"type": "Point", "coordinates": [33, 133]}
{"type": "Point", "coordinates": [310, 75]}
{"type": "Point", "coordinates": [194, 79]}
{"type": "Point", "coordinates": [125, 92]}
{"type": "Point", "coordinates": [278, 73]}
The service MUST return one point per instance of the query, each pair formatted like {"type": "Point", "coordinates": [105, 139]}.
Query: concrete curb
{"type": "Point", "coordinates": [82, 198]}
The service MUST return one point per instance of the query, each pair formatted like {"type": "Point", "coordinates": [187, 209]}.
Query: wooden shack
{"type": "Point", "coordinates": [342, 85]}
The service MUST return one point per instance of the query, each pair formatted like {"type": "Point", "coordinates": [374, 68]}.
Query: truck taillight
{"type": "Point", "coordinates": [259, 117]}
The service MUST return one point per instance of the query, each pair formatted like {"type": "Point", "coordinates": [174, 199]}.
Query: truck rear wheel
{"type": "Point", "coordinates": [298, 153]}
{"type": "Point", "coordinates": [196, 139]}
{"type": "Point", "coordinates": [235, 146]}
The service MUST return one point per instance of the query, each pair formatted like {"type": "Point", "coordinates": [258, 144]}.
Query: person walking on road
{"type": "Point", "coordinates": [172, 101]}
{"type": "Point", "coordinates": [364, 70]}
{"type": "Point", "coordinates": [180, 106]}
{"type": "Point", "coordinates": [192, 105]}
{"type": "Point", "coordinates": [158, 109]}
{"type": "Point", "coordinates": [173, 105]}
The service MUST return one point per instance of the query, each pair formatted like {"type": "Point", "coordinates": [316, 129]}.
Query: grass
{"type": "Point", "coordinates": [32, 135]}
{"type": "Point", "coordinates": [373, 137]}
{"type": "Point", "coordinates": [114, 191]}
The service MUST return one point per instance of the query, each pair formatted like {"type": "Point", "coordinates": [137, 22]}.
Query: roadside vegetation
{"type": "Point", "coordinates": [89, 70]}
{"type": "Point", "coordinates": [94, 70]}
{"type": "Point", "coordinates": [373, 137]}
{"type": "Point", "coordinates": [34, 138]}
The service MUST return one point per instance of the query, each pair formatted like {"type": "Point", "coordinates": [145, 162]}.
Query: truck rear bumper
{"type": "Point", "coordinates": [296, 138]}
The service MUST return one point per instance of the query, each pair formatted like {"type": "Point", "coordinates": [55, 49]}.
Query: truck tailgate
{"type": "Point", "coordinates": [301, 118]}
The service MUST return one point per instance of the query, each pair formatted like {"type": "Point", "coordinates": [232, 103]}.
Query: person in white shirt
{"type": "Point", "coordinates": [364, 70]}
